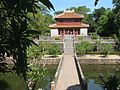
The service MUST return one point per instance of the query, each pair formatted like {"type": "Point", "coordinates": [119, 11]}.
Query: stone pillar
{"type": "Point", "coordinates": [77, 32]}
{"type": "Point", "coordinates": [64, 32]}
{"type": "Point", "coordinates": [73, 32]}
{"type": "Point", "coordinates": [52, 85]}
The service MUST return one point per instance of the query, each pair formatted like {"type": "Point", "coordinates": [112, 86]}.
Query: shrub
{"type": "Point", "coordinates": [35, 52]}
{"type": "Point", "coordinates": [106, 49]}
{"type": "Point", "coordinates": [97, 45]}
{"type": "Point", "coordinates": [83, 47]}
{"type": "Point", "coordinates": [94, 36]}
{"type": "Point", "coordinates": [112, 83]}
{"type": "Point", "coordinates": [54, 49]}
{"type": "Point", "coordinates": [81, 37]}
{"type": "Point", "coordinates": [57, 38]}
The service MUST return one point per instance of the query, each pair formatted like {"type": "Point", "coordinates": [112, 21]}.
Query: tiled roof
{"type": "Point", "coordinates": [80, 25]}
{"type": "Point", "coordinates": [69, 14]}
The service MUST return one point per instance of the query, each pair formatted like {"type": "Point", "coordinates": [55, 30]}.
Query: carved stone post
{"type": "Point", "coordinates": [52, 85]}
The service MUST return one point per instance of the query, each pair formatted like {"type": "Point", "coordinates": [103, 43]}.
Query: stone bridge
{"type": "Point", "coordinates": [69, 74]}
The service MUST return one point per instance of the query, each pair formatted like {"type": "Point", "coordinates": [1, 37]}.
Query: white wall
{"type": "Point", "coordinates": [54, 32]}
{"type": "Point", "coordinates": [83, 31]}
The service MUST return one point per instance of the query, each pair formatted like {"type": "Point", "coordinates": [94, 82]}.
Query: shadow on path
{"type": "Point", "coordinates": [74, 87]}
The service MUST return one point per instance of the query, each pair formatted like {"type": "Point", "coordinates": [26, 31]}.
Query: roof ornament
{"type": "Point", "coordinates": [69, 11]}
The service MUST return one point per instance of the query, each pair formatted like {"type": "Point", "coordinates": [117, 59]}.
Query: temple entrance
{"type": "Point", "coordinates": [69, 32]}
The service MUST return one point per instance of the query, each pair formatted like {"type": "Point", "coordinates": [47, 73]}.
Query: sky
{"type": "Point", "coordinates": [64, 4]}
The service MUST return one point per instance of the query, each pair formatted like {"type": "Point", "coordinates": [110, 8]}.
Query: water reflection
{"type": "Point", "coordinates": [93, 86]}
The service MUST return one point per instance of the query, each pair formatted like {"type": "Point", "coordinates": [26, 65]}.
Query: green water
{"type": "Point", "coordinates": [10, 81]}
{"type": "Point", "coordinates": [44, 83]}
{"type": "Point", "coordinates": [92, 72]}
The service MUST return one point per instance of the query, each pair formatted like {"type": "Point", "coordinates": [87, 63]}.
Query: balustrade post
{"type": "Point", "coordinates": [52, 85]}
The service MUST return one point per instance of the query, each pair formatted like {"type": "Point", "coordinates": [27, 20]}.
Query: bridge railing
{"type": "Point", "coordinates": [54, 82]}
{"type": "Point", "coordinates": [81, 76]}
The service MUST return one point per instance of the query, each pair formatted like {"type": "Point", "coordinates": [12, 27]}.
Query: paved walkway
{"type": "Point", "coordinates": [68, 77]}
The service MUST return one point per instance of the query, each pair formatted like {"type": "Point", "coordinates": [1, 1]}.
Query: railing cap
{"type": "Point", "coordinates": [52, 82]}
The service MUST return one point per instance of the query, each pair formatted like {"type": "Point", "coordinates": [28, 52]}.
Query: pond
{"type": "Point", "coordinates": [44, 83]}
{"type": "Point", "coordinates": [10, 81]}
{"type": "Point", "coordinates": [92, 72]}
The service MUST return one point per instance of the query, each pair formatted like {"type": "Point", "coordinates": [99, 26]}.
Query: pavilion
{"type": "Point", "coordinates": [69, 22]}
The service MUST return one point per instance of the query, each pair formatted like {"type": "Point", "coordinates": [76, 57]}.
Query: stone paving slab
{"type": "Point", "coordinates": [68, 78]}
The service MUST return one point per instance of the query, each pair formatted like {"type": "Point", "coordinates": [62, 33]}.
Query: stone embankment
{"type": "Point", "coordinates": [50, 60]}
{"type": "Point", "coordinates": [99, 59]}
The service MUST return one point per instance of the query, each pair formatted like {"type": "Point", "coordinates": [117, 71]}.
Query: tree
{"type": "Point", "coordinates": [54, 50]}
{"type": "Point", "coordinates": [116, 11]}
{"type": "Point", "coordinates": [14, 31]}
{"type": "Point", "coordinates": [58, 12]}
{"type": "Point", "coordinates": [34, 74]}
{"type": "Point", "coordinates": [89, 19]}
{"type": "Point", "coordinates": [34, 54]}
{"type": "Point", "coordinates": [81, 10]}
{"type": "Point", "coordinates": [98, 46]}
{"type": "Point", "coordinates": [83, 47]}
{"type": "Point", "coordinates": [41, 21]}
{"type": "Point", "coordinates": [98, 12]}
{"type": "Point", "coordinates": [104, 19]}
{"type": "Point", "coordinates": [116, 16]}
{"type": "Point", "coordinates": [106, 49]}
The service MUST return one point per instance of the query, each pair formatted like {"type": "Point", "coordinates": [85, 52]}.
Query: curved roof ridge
{"type": "Point", "coordinates": [69, 14]}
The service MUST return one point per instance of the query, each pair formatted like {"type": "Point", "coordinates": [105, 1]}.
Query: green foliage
{"type": "Point", "coordinates": [108, 20]}
{"type": "Point", "coordinates": [41, 21]}
{"type": "Point", "coordinates": [54, 49]}
{"type": "Point", "coordinates": [89, 19]}
{"type": "Point", "coordinates": [106, 49]}
{"type": "Point", "coordinates": [98, 46]}
{"type": "Point", "coordinates": [44, 48]}
{"type": "Point", "coordinates": [94, 36]}
{"type": "Point", "coordinates": [14, 31]}
{"type": "Point", "coordinates": [10, 81]}
{"type": "Point", "coordinates": [43, 82]}
{"type": "Point", "coordinates": [35, 72]}
{"type": "Point", "coordinates": [34, 52]}
{"type": "Point", "coordinates": [57, 38]}
{"type": "Point", "coordinates": [58, 12]}
{"type": "Point", "coordinates": [81, 37]}
{"type": "Point", "coordinates": [117, 36]}
{"type": "Point", "coordinates": [112, 83]}
{"type": "Point", "coordinates": [96, 2]}
{"type": "Point", "coordinates": [98, 53]}
{"type": "Point", "coordinates": [104, 19]}
{"type": "Point", "coordinates": [81, 9]}
{"type": "Point", "coordinates": [19, 42]}
{"type": "Point", "coordinates": [83, 47]}
{"type": "Point", "coordinates": [37, 52]}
